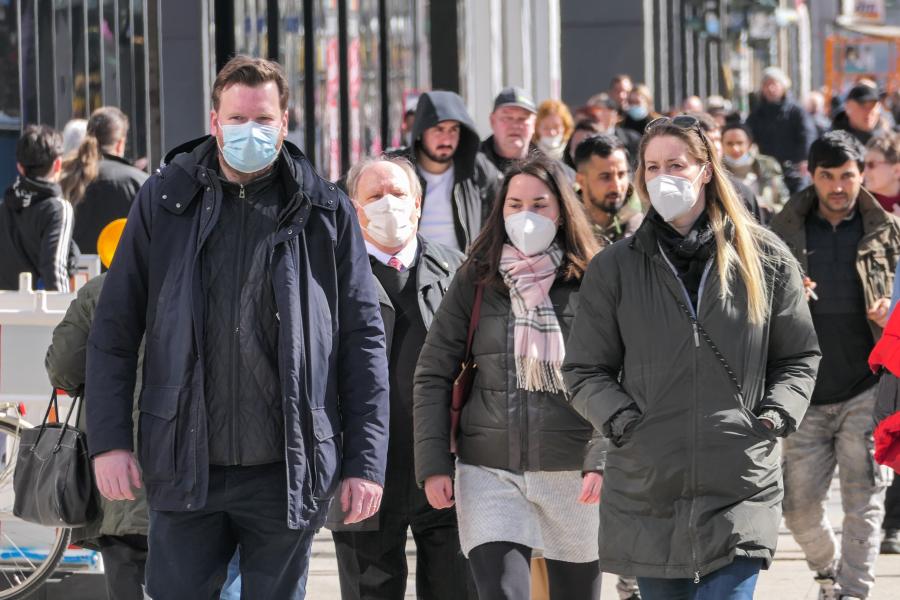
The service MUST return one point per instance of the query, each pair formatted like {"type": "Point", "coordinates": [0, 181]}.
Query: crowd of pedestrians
{"type": "Point", "coordinates": [665, 319]}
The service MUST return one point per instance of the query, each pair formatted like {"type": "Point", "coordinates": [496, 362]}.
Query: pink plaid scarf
{"type": "Point", "coordinates": [539, 344]}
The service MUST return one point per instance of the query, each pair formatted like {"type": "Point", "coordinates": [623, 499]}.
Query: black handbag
{"type": "Point", "coordinates": [53, 482]}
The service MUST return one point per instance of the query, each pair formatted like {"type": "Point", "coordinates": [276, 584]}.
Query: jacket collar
{"type": "Point", "coordinates": [432, 264]}
{"type": "Point", "coordinates": [793, 216]}
{"type": "Point", "coordinates": [191, 167]}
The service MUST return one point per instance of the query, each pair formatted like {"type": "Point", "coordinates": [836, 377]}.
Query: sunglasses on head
{"type": "Point", "coordinates": [680, 121]}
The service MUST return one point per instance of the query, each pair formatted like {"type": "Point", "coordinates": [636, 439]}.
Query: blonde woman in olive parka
{"type": "Point", "coordinates": [692, 349]}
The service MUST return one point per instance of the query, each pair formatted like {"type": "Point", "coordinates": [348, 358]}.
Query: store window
{"type": "Point", "coordinates": [327, 84]}
{"type": "Point", "coordinates": [291, 55]}
{"type": "Point", "coordinates": [10, 109]}
{"type": "Point", "coordinates": [364, 79]}
{"type": "Point", "coordinates": [401, 63]}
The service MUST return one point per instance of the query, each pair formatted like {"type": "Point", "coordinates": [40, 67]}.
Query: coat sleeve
{"type": "Point", "coordinates": [56, 239]}
{"type": "Point", "coordinates": [594, 350]}
{"type": "Point", "coordinates": [439, 361]}
{"type": "Point", "coordinates": [117, 331]}
{"type": "Point", "coordinates": [887, 401]}
{"type": "Point", "coordinates": [362, 368]}
{"type": "Point", "coordinates": [793, 356]}
{"type": "Point", "coordinates": [66, 356]}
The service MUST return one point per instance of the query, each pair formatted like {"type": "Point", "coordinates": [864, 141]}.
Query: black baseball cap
{"type": "Point", "coordinates": [863, 93]}
{"type": "Point", "coordinates": [515, 96]}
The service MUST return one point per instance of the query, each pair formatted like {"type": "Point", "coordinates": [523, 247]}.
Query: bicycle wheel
{"type": "Point", "coordinates": [29, 553]}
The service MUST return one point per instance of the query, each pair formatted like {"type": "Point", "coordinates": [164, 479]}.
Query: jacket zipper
{"type": "Point", "coordinates": [692, 532]}
{"type": "Point", "coordinates": [236, 333]}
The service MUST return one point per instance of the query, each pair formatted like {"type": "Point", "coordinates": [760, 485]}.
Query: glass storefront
{"type": "Point", "coordinates": [350, 65]}
{"type": "Point", "coordinates": [75, 56]}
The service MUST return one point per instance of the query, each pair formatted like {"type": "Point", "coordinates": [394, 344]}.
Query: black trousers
{"type": "Point", "coordinates": [502, 571]}
{"type": "Point", "coordinates": [124, 558]}
{"type": "Point", "coordinates": [892, 505]}
{"type": "Point", "coordinates": [372, 564]}
{"type": "Point", "coordinates": [246, 507]}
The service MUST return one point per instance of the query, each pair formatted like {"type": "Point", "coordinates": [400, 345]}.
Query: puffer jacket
{"type": "Point", "coordinates": [698, 480]}
{"type": "Point", "coordinates": [878, 252]}
{"type": "Point", "coordinates": [65, 363]}
{"type": "Point", "coordinates": [501, 426]}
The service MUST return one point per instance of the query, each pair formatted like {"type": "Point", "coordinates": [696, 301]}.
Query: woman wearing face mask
{"type": "Point", "coordinates": [639, 111]}
{"type": "Point", "coordinates": [762, 174]}
{"type": "Point", "coordinates": [528, 465]}
{"type": "Point", "coordinates": [692, 350]}
{"type": "Point", "coordinates": [553, 128]}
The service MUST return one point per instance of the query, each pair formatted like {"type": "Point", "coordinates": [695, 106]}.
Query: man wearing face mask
{"type": "Point", "coordinates": [250, 278]}
{"type": "Point", "coordinates": [459, 182]}
{"type": "Point", "coordinates": [605, 181]}
{"type": "Point", "coordinates": [412, 274]}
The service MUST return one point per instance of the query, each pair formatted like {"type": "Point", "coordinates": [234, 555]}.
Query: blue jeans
{"type": "Point", "coordinates": [733, 582]}
{"type": "Point", "coordinates": [232, 588]}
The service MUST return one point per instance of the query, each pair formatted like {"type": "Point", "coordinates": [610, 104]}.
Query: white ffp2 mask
{"type": "Point", "coordinates": [672, 196]}
{"type": "Point", "coordinates": [389, 220]}
{"type": "Point", "coordinates": [530, 232]}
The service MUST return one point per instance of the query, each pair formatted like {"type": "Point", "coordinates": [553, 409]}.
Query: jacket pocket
{"type": "Point", "coordinates": [327, 453]}
{"type": "Point", "coordinates": [156, 432]}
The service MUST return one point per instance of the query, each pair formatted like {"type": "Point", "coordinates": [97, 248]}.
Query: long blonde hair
{"type": "Point", "coordinates": [743, 253]}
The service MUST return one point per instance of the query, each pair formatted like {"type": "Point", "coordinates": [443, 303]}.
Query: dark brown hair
{"type": "Point", "coordinates": [574, 235]}
{"type": "Point", "coordinates": [252, 72]}
{"type": "Point", "coordinates": [107, 127]}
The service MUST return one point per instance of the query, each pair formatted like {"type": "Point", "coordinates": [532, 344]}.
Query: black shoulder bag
{"type": "Point", "coordinates": [53, 482]}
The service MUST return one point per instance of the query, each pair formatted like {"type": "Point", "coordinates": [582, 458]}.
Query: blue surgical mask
{"type": "Point", "coordinates": [249, 147]}
{"type": "Point", "coordinates": [638, 112]}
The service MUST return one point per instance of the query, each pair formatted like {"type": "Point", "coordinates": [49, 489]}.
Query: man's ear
{"type": "Point", "coordinates": [57, 166]}
{"type": "Point", "coordinates": [20, 169]}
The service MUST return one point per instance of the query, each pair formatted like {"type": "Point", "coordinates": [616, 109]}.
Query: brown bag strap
{"type": "Point", "coordinates": [473, 322]}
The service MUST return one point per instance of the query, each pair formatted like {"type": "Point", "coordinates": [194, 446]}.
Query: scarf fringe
{"type": "Point", "coordinates": [536, 375]}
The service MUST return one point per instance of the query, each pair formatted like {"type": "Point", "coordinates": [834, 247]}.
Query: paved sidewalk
{"type": "Point", "coordinates": [788, 579]}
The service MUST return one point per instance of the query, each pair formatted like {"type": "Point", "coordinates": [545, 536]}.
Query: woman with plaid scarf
{"type": "Point", "coordinates": [527, 465]}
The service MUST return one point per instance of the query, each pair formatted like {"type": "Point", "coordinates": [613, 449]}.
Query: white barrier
{"type": "Point", "coordinates": [27, 319]}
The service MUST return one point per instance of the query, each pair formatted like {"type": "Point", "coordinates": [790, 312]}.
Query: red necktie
{"type": "Point", "coordinates": [395, 263]}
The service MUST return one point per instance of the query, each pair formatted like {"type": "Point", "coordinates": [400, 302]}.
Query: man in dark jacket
{"type": "Point", "coordinates": [412, 275]}
{"type": "Point", "coordinates": [250, 278]}
{"type": "Point", "coordinates": [459, 182]}
{"type": "Point", "coordinates": [861, 115]}
{"type": "Point", "coordinates": [35, 220]}
{"type": "Point", "coordinates": [782, 128]}
{"type": "Point", "coordinates": [849, 248]}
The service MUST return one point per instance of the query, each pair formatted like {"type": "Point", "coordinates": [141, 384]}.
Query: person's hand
{"type": "Point", "coordinates": [591, 485]}
{"type": "Point", "coordinates": [808, 286]}
{"type": "Point", "coordinates": [360, 499]}
{"type": "Point", "coordinates": [439, 491]}
{"type": "Point", "coordinates": [880, 311]}
{"type": "Point", "coordinates": [116, 473]}
{"type": "Point", "coordinates": [803, 168]}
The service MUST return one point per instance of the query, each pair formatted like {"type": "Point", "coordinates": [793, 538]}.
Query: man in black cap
{"type": "Point", "coordinates": [861, 116]}
{"type": "Point", "coordinates": [512, 122]}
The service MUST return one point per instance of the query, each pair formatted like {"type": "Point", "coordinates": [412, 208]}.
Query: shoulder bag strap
{"type": "Point", "coordinates": [473, 321]}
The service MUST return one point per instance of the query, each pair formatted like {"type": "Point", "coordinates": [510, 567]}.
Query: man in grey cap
{"type": "Point", "coordinates": [861, 115]}
{"type": "Point", "coordinates": [512, 123]}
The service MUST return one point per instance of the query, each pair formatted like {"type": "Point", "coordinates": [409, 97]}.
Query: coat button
{"type": "Point", "coordinates": [290, 231]}
{"type": "Point", "coordinates": [178, 205]}
{"type": "Point", "coordinates": [331, 187]}
{"type": "Point", "coordinates": [165, 196]}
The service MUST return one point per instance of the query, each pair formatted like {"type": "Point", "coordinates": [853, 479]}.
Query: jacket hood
{"type": "Point", "coordinates": [26, 191]}
{"type": "Point", "coordinates": [439, 106]}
